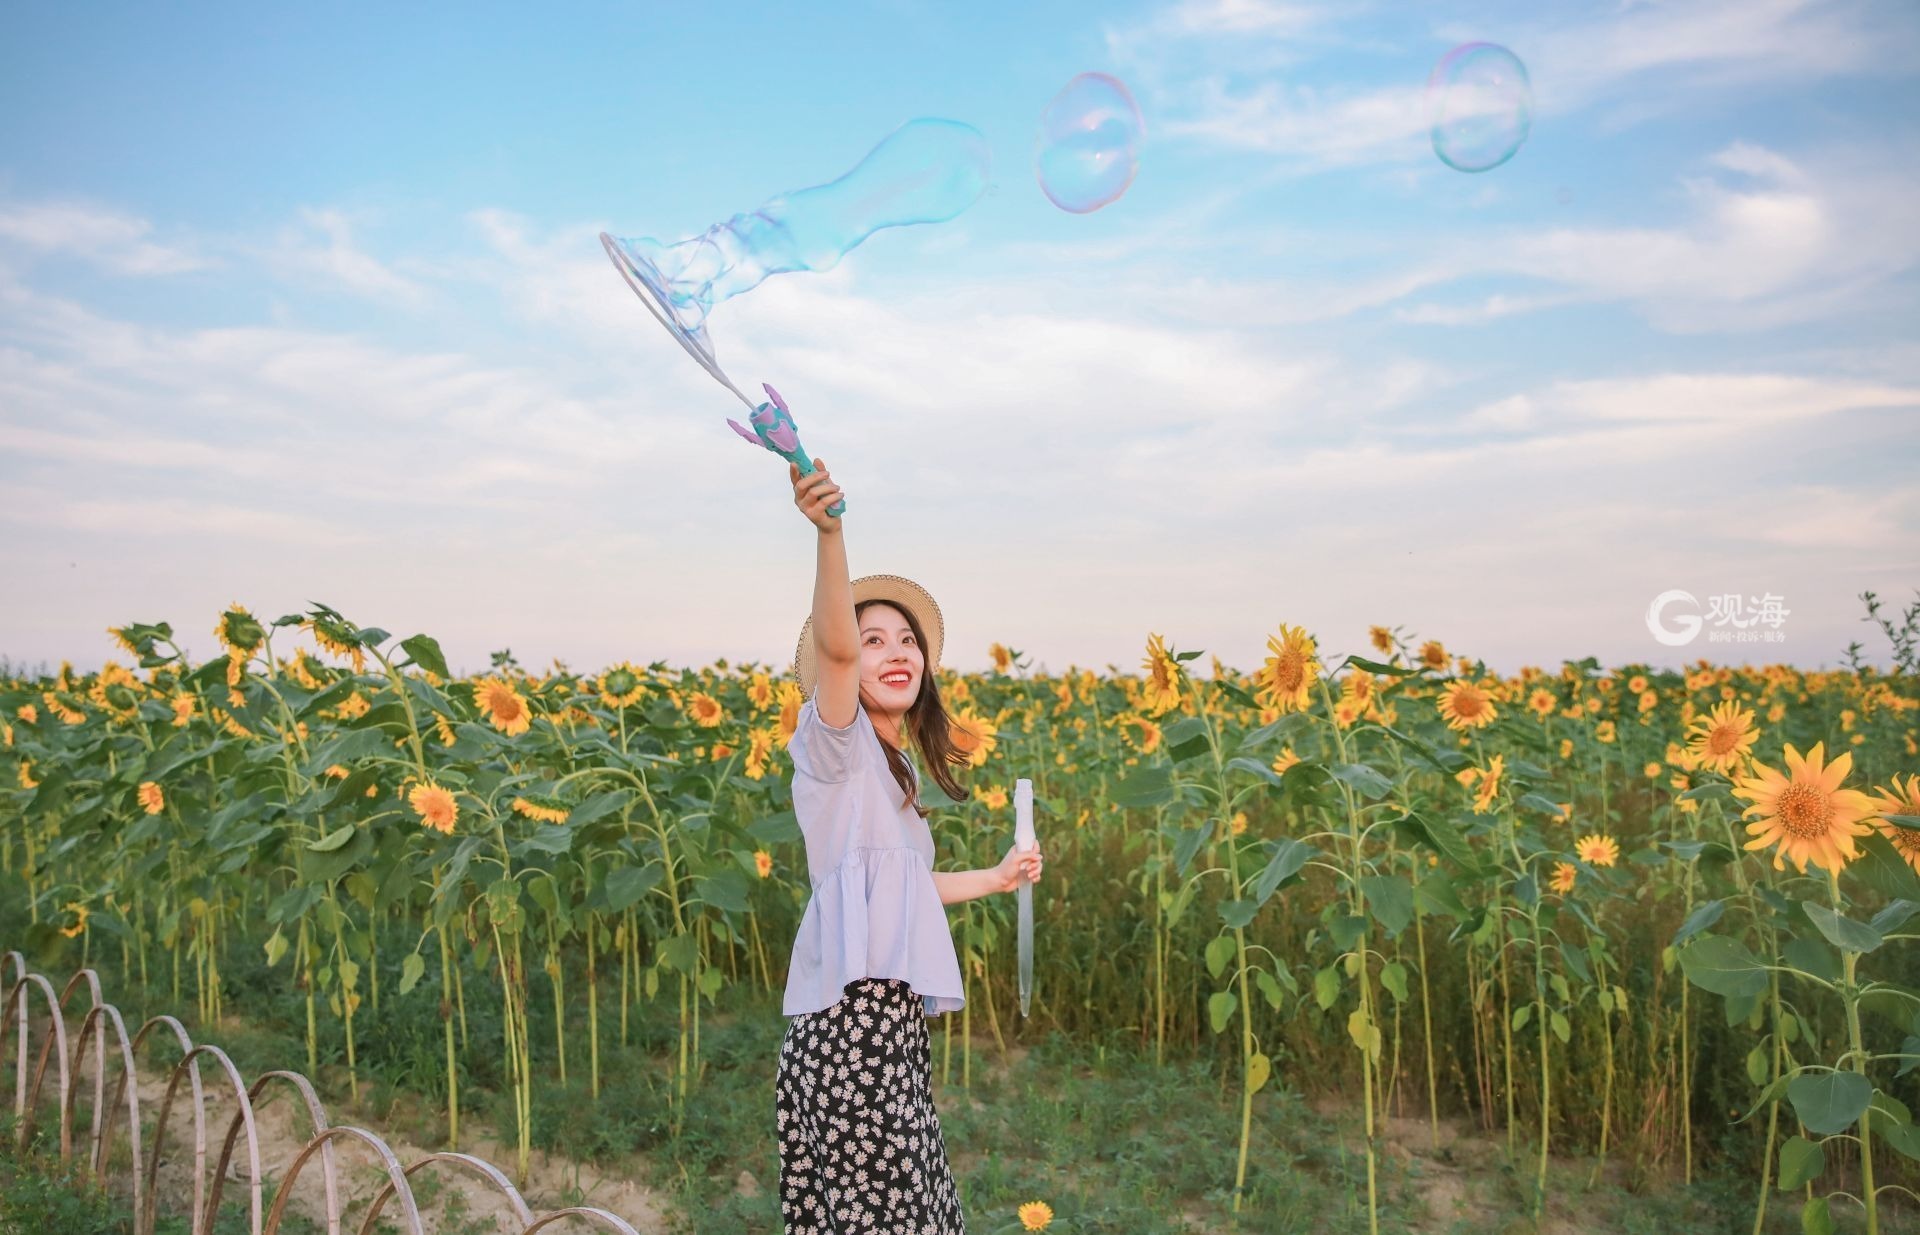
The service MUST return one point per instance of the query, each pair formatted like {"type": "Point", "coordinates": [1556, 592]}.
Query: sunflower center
{"type": "Point", "coordinates": [1906, 841]}
{"type": "Point", "coordinates": [1468, 704]}
{"type": "Point", "coordinates": [1804, 811]}
{"type": "Point", "coordinates": [1290, 672]}
{"type": "Point", "coordinates": [1724, 740]}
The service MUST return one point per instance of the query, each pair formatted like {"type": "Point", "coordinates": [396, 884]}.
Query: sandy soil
{"type": "Point", "coordinates": [451, 1201]}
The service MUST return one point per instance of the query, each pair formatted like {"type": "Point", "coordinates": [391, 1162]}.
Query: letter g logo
{"type": "Point", "coordinates": [1688, 623]}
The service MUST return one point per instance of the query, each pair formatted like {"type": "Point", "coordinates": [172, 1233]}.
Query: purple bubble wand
{"type": "Point", "coordinates": [773, 428]}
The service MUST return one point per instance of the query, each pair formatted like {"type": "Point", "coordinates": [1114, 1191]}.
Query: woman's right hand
{"type": "Point", "coordinates": [813, 493]}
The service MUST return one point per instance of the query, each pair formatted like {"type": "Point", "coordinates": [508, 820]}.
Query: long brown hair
{"type": "Point", "coordinates": [927, 724]}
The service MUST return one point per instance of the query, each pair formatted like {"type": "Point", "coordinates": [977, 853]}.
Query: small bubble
{"type": "Point", "coordinates": [1088, 148]}
{"type": "Point", "coordinates": [1480, 104]}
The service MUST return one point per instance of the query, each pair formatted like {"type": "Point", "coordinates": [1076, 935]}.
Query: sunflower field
{"type": "Point", "coordinates": [1605, 914]}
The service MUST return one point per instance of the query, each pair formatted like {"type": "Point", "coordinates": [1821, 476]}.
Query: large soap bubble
{"type": "Point", "coordinates": [925, 171]}
{"type": "Point", "coordinates": [1088, 148]}
{"type": "Point", "coordinates": [1480, 104]}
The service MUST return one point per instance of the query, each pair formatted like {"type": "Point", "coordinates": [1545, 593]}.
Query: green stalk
{"type": "Point", "coordinates": [1358, 903]}
{"type": "Point", "coordinates": [1426, 1020]}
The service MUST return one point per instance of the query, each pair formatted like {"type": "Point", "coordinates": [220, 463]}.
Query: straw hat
{"type": "Point", "coordinates": [904, 594]}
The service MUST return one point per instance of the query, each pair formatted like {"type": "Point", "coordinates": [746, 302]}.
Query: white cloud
{"type": "Point", "coordinates": [338, 258]}
{"type": "Point", "coordinates": [113, 240]}
{"type": "Point", "coordinates": [581, 494]}
{"type": "Point", "coordinates": [1790, 243]}
{"type": "Point", "coordinates": [1630, 63]}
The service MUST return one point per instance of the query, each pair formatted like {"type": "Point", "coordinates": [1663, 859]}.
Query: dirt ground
{"type": "Point", "coordinates": [452, 1201]}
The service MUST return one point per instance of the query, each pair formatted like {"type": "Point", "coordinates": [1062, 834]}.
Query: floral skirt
{"type": "Point", "coordinates": [860, 1143]}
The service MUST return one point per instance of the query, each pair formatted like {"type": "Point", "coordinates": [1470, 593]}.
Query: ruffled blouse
{"type": "Point", "coordinates": [874, 911]}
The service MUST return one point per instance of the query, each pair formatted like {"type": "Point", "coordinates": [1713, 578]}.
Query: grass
{"type": "Point", "coordinates": [1110, 1141]}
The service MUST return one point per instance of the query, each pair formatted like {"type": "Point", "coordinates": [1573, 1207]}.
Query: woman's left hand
{"type": "Point", "coordinates": [1018, 867]}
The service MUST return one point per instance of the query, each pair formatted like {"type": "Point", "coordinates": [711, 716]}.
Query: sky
{"type": "Point", "coordinates": [306, 304]}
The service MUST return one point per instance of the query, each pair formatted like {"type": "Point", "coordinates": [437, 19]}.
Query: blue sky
{"type": "Point", "coordinates": [307, 305]}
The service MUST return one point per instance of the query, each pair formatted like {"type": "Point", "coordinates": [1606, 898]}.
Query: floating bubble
{"type": "Point", "coordinates": [1088, 148]}
{"type": "Point", "coordinates": [1480, 104]}
{"type": "Point", "coordinates": [925, 171]}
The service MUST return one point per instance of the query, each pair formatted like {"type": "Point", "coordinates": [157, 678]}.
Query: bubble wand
{"type": "Point", "coordinates": [773, 428]}
{"type": "Point", "coordinates": [1023, 839]}
{"type": "Point", "coordinates": [773, 425]}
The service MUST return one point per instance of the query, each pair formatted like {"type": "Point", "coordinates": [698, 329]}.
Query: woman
{"type": "Point", "coordinates": [860, 1142]}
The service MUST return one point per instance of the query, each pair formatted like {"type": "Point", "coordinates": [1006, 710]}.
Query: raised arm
{"type": "Point", "coordinates": [836, 640]}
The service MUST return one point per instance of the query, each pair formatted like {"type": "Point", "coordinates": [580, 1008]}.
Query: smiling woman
{"type": "Point", "coordinates": [873, 956]}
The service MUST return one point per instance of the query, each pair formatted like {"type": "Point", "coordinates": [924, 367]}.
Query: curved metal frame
{"type": "Point", "coordinates": [145, 1164]}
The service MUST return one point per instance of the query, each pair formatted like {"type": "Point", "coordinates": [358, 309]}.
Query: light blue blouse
{"type": "Point", "coordinates": [874, 911]}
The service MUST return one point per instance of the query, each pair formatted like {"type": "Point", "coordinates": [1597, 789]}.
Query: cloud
{"type": "Point", "coordinates": [1768, 242]}
{"type": "Point", "coordinates": [110, 239]}
{"type": "Point", "coordinates": [1628, 64]}
{"type": "Point", "coordinates": [338, 259]}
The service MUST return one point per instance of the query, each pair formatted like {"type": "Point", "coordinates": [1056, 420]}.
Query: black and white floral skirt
{"type": "Point", "coordinates": [860, 1143]}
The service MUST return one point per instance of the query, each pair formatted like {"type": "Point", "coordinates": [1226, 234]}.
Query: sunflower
{"type": "Point", "coordinates": [763, 862]}
{"type": "Point", "coordinates": [152, 800]}
{"type": "Point", "coordinates": [994, 798]}
{"type": "Point", "coordinates": [1063, 691]}
{"type": "Point", "coordinates": [1284, 760]}
{"type": "Point", "coordinates": [1564, 874]}
{"type": "Point", "coordinates": [1145, 734]}
{"type": "Point", "coordinates": [1359, 687]}
{"type": "Point", "coordinates": [1541, 702]}
{"type": "Point", "coordinates": [1035, 1215]}
{"type": "Point", "coordinates": [501, 704]}
{"type": "Point", "coordinates": [1288, 675]}
{"type": "Point", "coordinates": [1433, 654]}
{"type": "Point", "coordinates": [1002, 657]}
{"type": "Point", "coordinates": [759, 752]}
{"type": "Point", "coordinates": [621, 686]}
{"type": "Point", "coordinates": [336, 638]}
{"type": "Point", "coordinates": [973, 735]}
{"type": "Point", "coordinates": [79, 913]}
{"type": "Point", "coordinates": [760, 692]}
{"type": "Point", "coordinates": [1896, 800]}
{"type": "Point", "coordinates": [136, 645]}
{"type": "Point", "coordinates": [1346, 712]}
{"type": "Point", "coordinates": [435, 806]}
{"type": "Point", "coordinates": [1239, 823]}
{"type": "Point", "coordinates": [301, 666]}
{"type": "Point", "coordinates": [27, 712]}
{"type": "Point", "coordinates": [541, 809]}
{"type": "Point", "coordinates": [1161, 690]}
{"type": "Point", "coordinates": [1604, 730]}
{"type": "Point", "coordinates": [182, 710]}
{"type": "Point", "coordinates": [26, 775]}
{"type": "Point", "coordinates": [68, 714]}
{"type": "Point", "coordinates": [1597, 850]}
{"type": "Point", "coordinates": [1489, 785]}
{"type": "Point", "coordinates": [705, 710]}
{"type": "Point", "coordinates": [1466, 706]}
{"type": "Point", "coordinates": [1382, 639]}
{"type": "Point", "coordinates": [1805, 812]}
{"type": "Point", "coordinates": [1648, 701]}
{"type": "Point", "coordinates": [1723, 739]}
{"type": "Point", "coordinates": [353, 707]}
{"type": "Point", "coordinates": [789, 721]}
